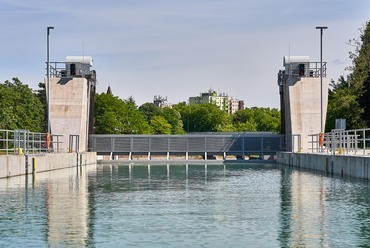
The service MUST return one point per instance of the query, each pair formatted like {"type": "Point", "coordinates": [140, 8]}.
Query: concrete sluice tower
{"type": "Point", "coordinates": [303, 101]}
{"type": "Point", "coordinates": [70, 96]}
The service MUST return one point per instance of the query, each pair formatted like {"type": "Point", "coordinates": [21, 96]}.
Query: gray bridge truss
{"type": "Point", "coordinates": [240, 145]}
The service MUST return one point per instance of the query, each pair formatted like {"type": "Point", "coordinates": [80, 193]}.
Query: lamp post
{"type": "Point", "coordinates": [48, 76]}
{"type": "Point", "coordinates": [321, 116]}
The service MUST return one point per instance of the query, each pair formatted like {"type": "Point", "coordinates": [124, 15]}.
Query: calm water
{"type": "Point", "coordinates": [184, 206]}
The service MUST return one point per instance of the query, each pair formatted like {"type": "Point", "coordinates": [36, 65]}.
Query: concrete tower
{"type": "Point", "coordinates": [71, 102]}
{"type": "Point", "coordinates": [303, 100]}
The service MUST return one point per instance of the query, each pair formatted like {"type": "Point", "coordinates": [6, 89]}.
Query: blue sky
{"type": "Point", "coordinates": [178, 49]}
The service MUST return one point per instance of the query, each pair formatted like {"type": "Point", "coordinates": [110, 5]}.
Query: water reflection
{"type": "Point", "coordinates": [46, 209]}
{"type": "Point", "coordinates": [209, 205]}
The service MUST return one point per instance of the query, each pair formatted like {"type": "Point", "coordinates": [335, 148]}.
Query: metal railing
{"type": "Point", "coordinates": [339, 141]}
{"type": "Point", "coordinates": [312, 70]}
{"type": "Point", "coordinates": [26, 142]}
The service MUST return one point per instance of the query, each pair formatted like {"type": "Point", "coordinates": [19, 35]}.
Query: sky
{"type": "Point", "coordinates": [178, 49]}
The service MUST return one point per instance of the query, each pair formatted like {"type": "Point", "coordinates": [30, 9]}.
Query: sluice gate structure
{"type": "Point", "coordinates": [242, 146]}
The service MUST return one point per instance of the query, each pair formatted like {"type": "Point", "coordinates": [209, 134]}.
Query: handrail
{"type": "Point", "coordinates": [339, 141]}
{"type": "Point", "coordinates": [26, 142]}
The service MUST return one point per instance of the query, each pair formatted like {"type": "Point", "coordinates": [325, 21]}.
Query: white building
{"type": "Point", "coordinates": [223, 101]}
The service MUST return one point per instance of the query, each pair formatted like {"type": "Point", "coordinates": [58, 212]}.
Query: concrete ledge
{"type": "Point", "coordinates": [12, 165]}
{"type": "Point", "coordinates": [343, 165]}
{"type": "Point", "coordinates": [17, 165]}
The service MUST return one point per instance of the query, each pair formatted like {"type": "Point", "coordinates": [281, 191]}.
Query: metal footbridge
{"type": "Point", "coordinates": [261, 145]}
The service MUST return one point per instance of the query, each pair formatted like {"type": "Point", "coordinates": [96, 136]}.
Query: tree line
{"type": "Point", "coordinates": [118, 116]}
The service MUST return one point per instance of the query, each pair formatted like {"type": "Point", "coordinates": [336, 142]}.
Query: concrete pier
{"type": "Point", "coordinates": [342, 165]}
{"type": "Point", "coordinates": [17, 165]}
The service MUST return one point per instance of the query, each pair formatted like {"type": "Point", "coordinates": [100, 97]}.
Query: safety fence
{"type": "Point", "coordinates": [26, 142]}
{"type": "Point", "coordinates": [339, 141]}
{"type": "Point", "coordinates": [206, 145]}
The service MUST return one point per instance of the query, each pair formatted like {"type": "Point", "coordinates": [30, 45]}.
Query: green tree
{"type": "Point", "coordinates": [173, 117]}
{"type": "Point", "coordinates": [206, 118]}
{"type": "Point", "coordinates": [160, 125]}
{"type": "Point", "coordinates": [349, 99]}
{"type": "Point", "coordinates": [116, 116]}
{"type": "Point", "coordinates": [344, 104]}
{"type": "Point", "coordinates": [361, 72]}
{"type": "Point", "coordinates": [20, 108]}
{"type": "Point", "coordinates": [149, 110]}
{"type": "Point", "coordinates": [257, 119]}
{"type": "Point", "coordinates": [41, 94]}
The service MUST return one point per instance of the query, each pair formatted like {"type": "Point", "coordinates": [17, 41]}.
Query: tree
{"type": "Point", "coordinates": [361, 72]}
{"type": "Point", "coordinates": [160, 125]}
{"type": "Point", "coordinates": [349, 99]}
{"type": "Point", "coordinates": [20, 108]}
{"type": "Point", "coordinates": [257, 119]}
{"type": "Point", "coordinates": [41, 94]}
{"type": "Point", "coordinates": [173, 117]}
{"type": "Point", "coordinates": [116, 116]}
{"type": "Point", "coordinates": [206, 118]}
{"type": "Point", "coordinates": [343, 104]}
{"type": "Point", "coordinates": [149, 110]}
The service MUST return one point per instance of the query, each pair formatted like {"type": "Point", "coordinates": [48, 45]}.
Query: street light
{"type": "Point", "coordinates": [321, 117]}
{"type": "Point", "coordinates": [48, 77]}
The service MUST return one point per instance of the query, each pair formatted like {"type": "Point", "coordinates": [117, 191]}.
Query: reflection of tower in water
{"type": "Point", "coordinates": [304, 219]}
{"type": "Point", "coordinates": [68, 209]}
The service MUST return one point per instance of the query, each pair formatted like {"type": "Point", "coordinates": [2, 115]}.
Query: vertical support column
{"type": "Point", "coordinates": [131, 146]}
{"type": "Point", "coordinates": [243, 147]}
{"type": "Point", "coordinates": [187, 148]}
{"type": "Point", "coordinates": [168, 148]}
{"type": "Point", "coordinates": [33, 165]}
{"type": "Point", "coordinates": [205, 148]}
{"type": "Point", "coordinates": [112, 145]}
{"type": "Point", "coordinates": [150, 147]}
{"type": "Point", "coordinates": [364, 141]}
{"type": "Point", "coordinates": [262, 155]}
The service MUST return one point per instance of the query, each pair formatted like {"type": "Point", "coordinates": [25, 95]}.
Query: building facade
{"type": "Point", "coordinates": [223, 101]}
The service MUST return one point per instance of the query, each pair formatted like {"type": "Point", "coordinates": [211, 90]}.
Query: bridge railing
{"type": "Point", "coordinates": [206, 145]}
{"type": "Point", "coordinates": [339, 141]}
{"type": "Point", "coordinates": [26, 142]}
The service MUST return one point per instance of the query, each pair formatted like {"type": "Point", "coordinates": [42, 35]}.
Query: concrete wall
{"type": "Point", "coordinates": [348, 166]}
{"type": "Point", "coordinates": [16, 165]}
{"type": "Point", "coordinates": [303, 108]}
{"type": "Point", "coordinates": [69, 110]}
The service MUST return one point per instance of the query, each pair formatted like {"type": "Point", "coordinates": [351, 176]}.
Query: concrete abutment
{"type": "Point", "coordinates": [18, 165]}
{"type": "Point", "coordinates": [341, 165]}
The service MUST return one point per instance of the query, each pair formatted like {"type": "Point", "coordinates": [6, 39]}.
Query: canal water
{"type": "Point", "coordinates": [225, 205]}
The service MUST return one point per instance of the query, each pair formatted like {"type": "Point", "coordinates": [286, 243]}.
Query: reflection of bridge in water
{"type": "Point", "coordinates": [243, 146]}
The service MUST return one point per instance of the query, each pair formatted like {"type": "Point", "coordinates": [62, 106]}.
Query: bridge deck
{"type": "Point", "coordinates": [206, 145]}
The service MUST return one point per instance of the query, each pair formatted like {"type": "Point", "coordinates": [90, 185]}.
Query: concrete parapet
{"type": "Point", "coordinates": [12, 165]}
{"type": "Point", "coordinates": [343, 165]}
{"type": "Point", "coordinates": [16, 165]}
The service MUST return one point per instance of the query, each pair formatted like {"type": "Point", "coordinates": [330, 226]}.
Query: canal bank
{"type": "Point", "coordinates": [343, 165]}
{"type": "Point", "coordinates": [17, 165]}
